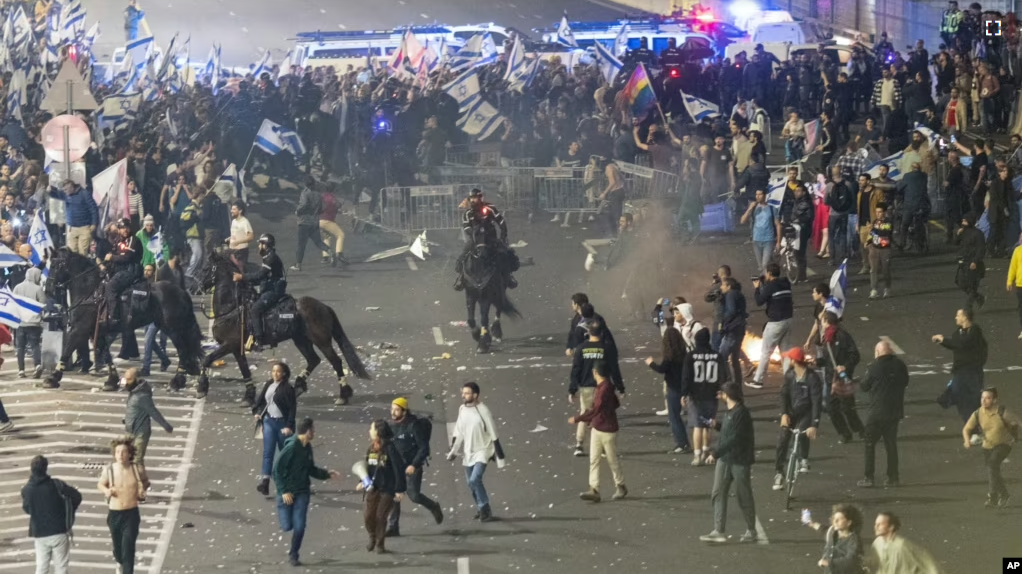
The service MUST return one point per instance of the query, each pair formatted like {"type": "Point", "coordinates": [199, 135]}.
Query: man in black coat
{"type": "Point", "coordinates": [50, 505]}
{"type": "Point", "coordinates": [971, 269]}
{"type": "Point", "coordinates": [885, 383]}
{"type": "Point", "coordinates": [412, 441]}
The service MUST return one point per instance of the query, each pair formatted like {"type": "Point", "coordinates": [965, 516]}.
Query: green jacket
{"type": "Point", "coordinates": [190, 220]}
{"type": "Point", "coordinates": [148, 257]}
{"type": "Point", "coordinates": [294, 468]}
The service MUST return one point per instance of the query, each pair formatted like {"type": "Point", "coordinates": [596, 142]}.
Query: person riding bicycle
{"type": "Point", "coordinates": [124, 264]}
{"type": "Point", "coordinates": [481, 224]}
{"type": "Point", "coordinates": [801, 408]}
{"type": "Point", "coordinates": [270, 277]}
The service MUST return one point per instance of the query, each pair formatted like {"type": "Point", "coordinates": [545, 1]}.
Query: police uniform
{"type": "Point", "coordinates": [125, 269]}
{"type": "Point", "coordinates": [270, 278]}
{"type": "Point", "coordinates": [489, 219]}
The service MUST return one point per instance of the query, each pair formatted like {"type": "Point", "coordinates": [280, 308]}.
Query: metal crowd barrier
{"type": "Point", "coordinates": [473, 158]}
{"type": "Point", "coordinates": [418, 208]}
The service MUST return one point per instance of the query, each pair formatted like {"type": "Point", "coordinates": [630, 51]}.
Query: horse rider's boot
{"type": "Point", "coordinates": [496, 330]}
{"type": "Point", "coordinates": [344, 393]}
{"type": "Point", "coordinates": [252, 346]}
{"type": "Point", "coordinates": [484, 341]}
{"type": "Point", "coordinates": [250, 396]}
{"type": "Point", "coordinates": [511, 281]}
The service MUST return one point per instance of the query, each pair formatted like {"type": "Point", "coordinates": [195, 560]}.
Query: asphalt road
{"type": "Point", "coordinates": [207, 517]}
{"type": "Point", "coordinates": [246, 28]}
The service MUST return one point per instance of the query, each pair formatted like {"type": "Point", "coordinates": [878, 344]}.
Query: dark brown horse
{"type": "Point", "coordinates": [316, 326]}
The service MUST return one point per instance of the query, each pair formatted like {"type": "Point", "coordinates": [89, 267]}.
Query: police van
{"type": "Point", "coordinates": [658, 32]}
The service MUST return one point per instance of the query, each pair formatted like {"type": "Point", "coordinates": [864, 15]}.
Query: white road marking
{"type": "Point", "coordinates": [894, 346]}
{"type": "Point", "coordinates": [463, 565]}
{"type": "Point", "coordinates": [411, 264]}
{"type": "Point", "coordinates": [438, 336]}
{"type": "Point", "coordinates": [761, 537]}
{"type": "Point", "coordinates": [810, 272]}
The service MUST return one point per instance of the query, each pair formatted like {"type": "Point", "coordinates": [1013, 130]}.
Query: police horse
{"type": "Point", "coordinates": [483, 272]}
{"type": "Point", "coordinates": [308, 322]}
{"type": "Point", "coordinates": [162, 302]}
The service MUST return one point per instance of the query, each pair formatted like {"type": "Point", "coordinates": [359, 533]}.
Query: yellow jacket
{"type": "Point", "coordinates": [1015, 269]}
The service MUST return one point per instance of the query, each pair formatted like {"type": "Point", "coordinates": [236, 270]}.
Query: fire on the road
{"type": "Point", "coordinates": [753, 347]}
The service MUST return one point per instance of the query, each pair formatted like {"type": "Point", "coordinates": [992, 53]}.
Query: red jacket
{"type": "Point", "coordinates": [329, 210]}
{"type": "Point", "coordinates": [5, 335]}
{"type": "Point", "coordinates": [603, 415]}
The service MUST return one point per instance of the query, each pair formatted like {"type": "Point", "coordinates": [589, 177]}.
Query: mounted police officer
{"type": "Point", "coordinates": [124, 264]}
{"type": "Point", "coordinates": [481, 223]}
{"type": "Point", "coordinates": [270, 277]}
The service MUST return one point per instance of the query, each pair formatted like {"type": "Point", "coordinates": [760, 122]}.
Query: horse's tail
{"type": "Point", "coordinates": [347, 349]}
{"type": "Point", "coordinates": [506, 307]}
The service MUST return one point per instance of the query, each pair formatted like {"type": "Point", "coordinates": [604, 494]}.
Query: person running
{"type": "Point", "coordinates": [969, 355]}
{"type": "Point", "coordinates": [411, 437]}
{"type": "Point", "coordinates": [1001, 430]}
{"type": "Point", "coordinates": [801, 408]}
{"type": "Point", "coordinates": [735, 453]}
{"type": "Point", "coordinates": [893, 554]}
{"type": "Point", "coordinates": [842, 552]}
{"type": "Point", "coordinates": [275, 409]}
{"type": "Point", "coordinates": [124, 484]}
{"type": "Point", "coordinates": [291, 475]}
{"type": "Point", "coordinates": [475, 435]}
{"type": "Point", "coordinates": [385, 464]}
{"type": "Point", "coordinates": [603, 439]}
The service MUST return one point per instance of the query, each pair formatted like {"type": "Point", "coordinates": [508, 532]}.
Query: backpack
{"type": "Point", "coordinates": [1013, 430]}
{"type": "Point", "coordinates": [426, 428]}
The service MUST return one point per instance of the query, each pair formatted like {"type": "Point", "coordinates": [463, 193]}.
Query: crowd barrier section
{"type": "Point", "coordinates": [424, 207]}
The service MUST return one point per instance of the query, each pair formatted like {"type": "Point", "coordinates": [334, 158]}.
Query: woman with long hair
{"type": "Point", "coordinates": [842, 553]}
{"type": "Point", "coordinates": [386, 469]}
{"type": "Point", "coordinates": [275, 410]}
{"type": "Point", "coordinates": [672, 351]}
{"type": "Point", "coordinates": [821, 239]}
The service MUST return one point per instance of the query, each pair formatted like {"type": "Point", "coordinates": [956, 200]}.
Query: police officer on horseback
{"type": "Point", "coordinates": [272, 286]}
{"type": "Point", "coordinates": [481, 223]}
{"type": "Point", "coordinates": [124, 264]}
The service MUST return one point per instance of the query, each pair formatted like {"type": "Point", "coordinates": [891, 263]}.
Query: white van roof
{"type": "Point", "coordinates": [778, 32]}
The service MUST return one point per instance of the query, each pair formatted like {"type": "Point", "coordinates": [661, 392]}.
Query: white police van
{"type": "Point", "coordinates": [658, 32]}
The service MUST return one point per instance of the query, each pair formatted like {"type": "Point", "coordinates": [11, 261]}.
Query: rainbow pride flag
{"type": "Point", "coordinates": [639, 93]}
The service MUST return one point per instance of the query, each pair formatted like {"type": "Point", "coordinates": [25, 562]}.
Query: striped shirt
{"type": "Point", "coordinates": [135, 205]}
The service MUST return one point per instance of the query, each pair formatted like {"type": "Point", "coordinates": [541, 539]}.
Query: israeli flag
{"type": "Point", "coordinates": [929, 134]}
{"type": "Point", "coordinates": [464, 89]}
{"type": "Point", "coordinates": [775, 192]}
{"type": "Point", "coordinates": [610, 66]}
{"type": "Point", "coordinates": [139, 51]}
{"type": "Point", "coordinates": [21, 28]}
{"type": "Point", "coordinates": [39, 238]}
{"type": "Point", "coordinates": [155, 245]}
{"type": "Point", "coordinates": [168, 59]}
{"type": "Point", "coordinates": [215, 80]}
{"type": "Point", "coordinates": [478, 51]}
{"type": "Point", "coordinates": [230, 186]}
{"type": "Point", "coordinates": [274, 138]}
{"type": "Point", "coordinates": [69, 28]}
{"type": "Point", "coordinates": [17, 94]}
{"type": "Point", "coordinates": [564, 34]}
{"type": "Point", "coordinates": [121, 107]}
{"type": "Point", "coordinates": [8, 258]}
{"type": "Point", "coordinates": [481, 121]}
{"type": "Point", "coordinates": [264, 65]}
{"type": "Point", "coordinates": [621, 41]}
{"type": "Point", "coordinates": [699, 108]}
{"type": "Point", "coordinates": [893, 164]}
{"type": "Point", "coordinates": [14, 309]}
{"type": "Point", "coordinates": [91, 36]}
{"type": "Point", "coordinates": [838, 287]}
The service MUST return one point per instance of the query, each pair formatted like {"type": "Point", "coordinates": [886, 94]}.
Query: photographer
{"type": "Point", "coordinates": [774, 292]}
{"type": "Point", "coordinates": [716, 296]}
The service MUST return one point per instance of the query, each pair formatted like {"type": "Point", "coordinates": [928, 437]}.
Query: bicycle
{"type": "Point", "coordinates": [791, 471]}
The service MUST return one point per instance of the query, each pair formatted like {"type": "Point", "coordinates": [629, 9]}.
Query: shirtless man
{"type": "Point", "coordinates": [124, 484]}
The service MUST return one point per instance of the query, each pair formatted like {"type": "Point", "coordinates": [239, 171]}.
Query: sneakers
{"type": "Point", "coordinates": [7, 426]}
{"type": "Point", "coordinates": [991, 501]}
{"type": "Point", "coordinates": [294, 561]}
{"type": "Point", "coordinates": [754, 384]}
{"type": "Point", "coordinates": [749, 536]}
{"type": "Point", "coordinates": [22, 375]}
{"type": "Point", "coordinates": [164, 366]}
{"type": "Point", "coordinates": [865, 483]}
{"type": "Point", "coordinates": [803, 467]}
{"type": "Point", "coordinates": [681, 450]}
{"type": "Point", "coordinates": [778, 481]}
{"type": "Point", "coordinates": [263, 487]}
{"type": "Point", "coordinates": [891, 483]}
{"type": "Point", "coordinates": [887, 293]}
{"type": "Point", "coordinates": [438, 513]}
{"type": "Point", "coordinates": [295, 267]}
{"type": "Point", "coordinates": [698, 460]}
{"type": "Point", "coordinates": [1003, 503]}
{"type": "Point", "coordinates": [620, 492]}
{"type": "Point", "coordinates": [665, 412]}
{"type": "Point", "coordinates": [591, 495]}
{"type": "Point", "coordinates": [874, 294]}
{"type": "Point", "coordinates": [579, 451]}
{"type": "Point", "coordinates": [714, 537]}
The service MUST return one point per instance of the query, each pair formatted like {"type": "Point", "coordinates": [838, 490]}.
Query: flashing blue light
{"type": "Point", "coordinates": [742, 9]}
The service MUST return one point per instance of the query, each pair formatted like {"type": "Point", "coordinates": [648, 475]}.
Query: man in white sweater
{"type": "Point", "coordinates": [475, 435]}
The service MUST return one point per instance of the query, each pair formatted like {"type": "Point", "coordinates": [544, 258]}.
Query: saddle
{"type": "Point", "coordinates": [132, 302]}
{"type": "Point", "coordinates": [280, 320]}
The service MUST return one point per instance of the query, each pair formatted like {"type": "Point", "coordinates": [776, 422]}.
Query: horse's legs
{"type": "Point", "coordinates": [495, 329]}
{"type": "Point", "coordinates": [202, 386]}
{"type": "Point", "coordinates": [73, 341]}
{"type": "Point", "coordinates": [103, 342]}
{"type": "Point", "coordinates": [470, 302]}
{"type": "Point", "coordinates": [484, 324]}
{"type": "Point", "coordinates": [344, 392]}
{"type": "Point", "coordinates": [312, 360]}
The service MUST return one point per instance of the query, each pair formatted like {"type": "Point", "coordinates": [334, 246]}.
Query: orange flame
{"type": "Point", "coordinates": [753, 347]}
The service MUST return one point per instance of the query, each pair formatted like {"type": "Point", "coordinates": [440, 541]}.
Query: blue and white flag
{"type": "Point", "coordinates": [21, 29]}
{"type": "Point", "coordinates": [139, 51]}
{"type": "Point", "coordinates": [230, 187]}
{"type": "Point", "coordinates": [215, 79]}
{"type": "Point", "coordinates": [8, 258]}
{"type": "Point", "coordinates": [478, 51]}
{"type": "Point", "coordinates": [155, 245]}
{"type": "Point", "coordinates": [564, 34]}
{"type": "Point", "coordinates": [837, 301]}
{"type": "Point", "coordinates": [131, 85]}
{"type": "Point", "coordinates": [91, 36]}
{"type": "Point", "coordinates": [609, 65]}
{"type": "Point", "coordinates": [121, 107]}
{"type": "Point", "coordinates": [274, 138]}
{"type": "Point", "coordinates": [482, 120]}
{"type": "Point", "coordinates": [621, 41]}
{"type": "Point", "coordinates": [14, 308]}
{"type": "Point", "coordinates": [265, 65]}
{"type": "Point", "coordinates": [39, 238]}
{"type": "Point", "coordinates": [16, 94]}
{"type": "Point", "coordinates": [930, 135]}
{"type": "Point", "coordinates": [168, 60]}
{"type": "Point", "coordinates": [893, 164]}
{"type": "Point", "coordinates": [699, 108]}
{"type": "Point", "coordinates": [464, 89]}
{"type": "Point", "coordinates": [70, 27]}
{"type": "Point", "coordinates": [775, 192]}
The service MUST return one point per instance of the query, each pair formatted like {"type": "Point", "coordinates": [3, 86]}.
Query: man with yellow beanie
{"type": "Point", "coordinates": [411, 437]}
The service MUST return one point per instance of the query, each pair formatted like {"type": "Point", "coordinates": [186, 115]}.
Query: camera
{"type": "Point", "coordinates": [716, 278]}
{"type": "Point", "coordinates": [658, 311]}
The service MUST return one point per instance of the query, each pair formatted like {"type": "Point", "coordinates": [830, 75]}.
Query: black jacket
{"type": "Point", "coordinates": [840, 198]}
{"type": "Point", "coordinates": [969, 348]}
{"type": "Point", "coordinates": [577, 330]}
{"type": "Point", "coordinates": [846, 353]}
{"type": "Point", "coordinates": [672, 372]}
{"type": "Point", "coordinates": [802, 400]}
{"type": "Point", "coordinates": [971, 247]}
{"type": "Point", "coordinates": [269, 275]}
{"type": "Point", "coordinates": [48, 511]}
{"type": "Point", "coordinates": [735, 315]}
{"type": "Point", "coordinates": [885, 382]}
{"type": "Point", "coordinates": [127, 255]}
{"type": "Point", "coordinates": [410, 440]}
{"type": "Point", "coordinates": [737, 441]}
{"type": "Point", "coordinates": [586, 355]}
{"type": "Point", "coordinates": [284, 397]}
{"type": "Point", "coordinates": [387, 469]}
{"type": "Point", "coordinates": [803, 212]}
{"type": "Point", "coordinates": [776, 295]}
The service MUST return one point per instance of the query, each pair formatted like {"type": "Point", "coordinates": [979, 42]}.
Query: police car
{"type": "Point", "coordinates": [656, 30]}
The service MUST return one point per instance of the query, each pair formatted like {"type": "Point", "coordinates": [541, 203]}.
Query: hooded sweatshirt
{"type": "Point", "coordinates": [31, 289]}
{"type": "Point", "coordinates": [50, 505]}
{"type": "Point", "coordinates": [691, 326]}
{"type": "Point", "coordinates": [141, 410]}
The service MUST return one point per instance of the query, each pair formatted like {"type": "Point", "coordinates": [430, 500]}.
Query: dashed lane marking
{"type": "Point", "coordinates": [761, 536]}
{"type": "Point", "coordinates": [894, 346]}
{"type": "Point", "coordinates": [438, 336]}
{"type": "Point", "coordinates": [463, 565]}
{"type": "Point", "coordinates": [810, 272]}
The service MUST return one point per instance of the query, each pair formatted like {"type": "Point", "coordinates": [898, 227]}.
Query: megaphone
{"type": "Point", "coordinates": [361, 470]}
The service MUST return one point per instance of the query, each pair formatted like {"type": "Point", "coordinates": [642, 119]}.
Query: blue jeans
{"type": "Point", "coordinates": [678, 428]}
{"type": "Point", "coordinates": [838, 231]}
{"type": "Point", "coordinates": [764, 252]}
{"type": "Point", "coordinates": [474, 477]}
{"type": "Point", "coordinates": [273, 439]}
{"type": "Point", "coordinates": [150, 346]}
{"type": "Point", "coordinates": [292, 519]}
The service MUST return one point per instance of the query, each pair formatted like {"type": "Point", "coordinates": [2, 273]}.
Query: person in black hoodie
{"type": "Point", "coordinates": [386, 469]}
{"type": "Point", "coordinates": [801, 408]}
{"type": "Point", "coordinates": [412, 441]}
{"type": "Point", "coordinates": [842, 358]}
{"type": "Point", "coordinates": [971, 269]}
{"type": "Point", "coordinates": [701, 377]}
{"type": "Point", "coordinates": [584, 311]}
{"type": "Point", "coordinates": [598, 347]}
{"type": "Point", "coordinates": [885, 382]}
{"type": "Point", "coordinates": [50, 505]}
{"type": "Point", "coordinates": [671, 366]}
{"type": "Point", "coordinates": [276, 409]}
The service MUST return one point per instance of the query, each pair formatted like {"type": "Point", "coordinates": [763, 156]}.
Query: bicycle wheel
{"type": "Point", "coordinates": [792, 474]}
{"type": "Point", "coordinates": [790, 266]}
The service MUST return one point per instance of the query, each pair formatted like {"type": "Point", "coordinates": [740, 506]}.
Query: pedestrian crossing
{"type": "Point", "coordinates": [72, 427]}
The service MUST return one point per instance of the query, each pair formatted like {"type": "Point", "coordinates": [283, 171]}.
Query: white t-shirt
{"type": "Point", "coordinates": [474, 434]}
{"type": "Point", "coordinates": [240, 228]}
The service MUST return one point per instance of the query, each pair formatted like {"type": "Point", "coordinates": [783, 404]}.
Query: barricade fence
{"type": "Point", "coordinates": [482, 156]}
{"type": "Point", "coordinates": [417, 208]}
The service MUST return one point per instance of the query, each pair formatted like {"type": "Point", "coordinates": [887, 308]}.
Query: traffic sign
{"type": "Point", "coordinates": [56, 99]}
{"type": "Point", "coordinates": [77, 142]}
